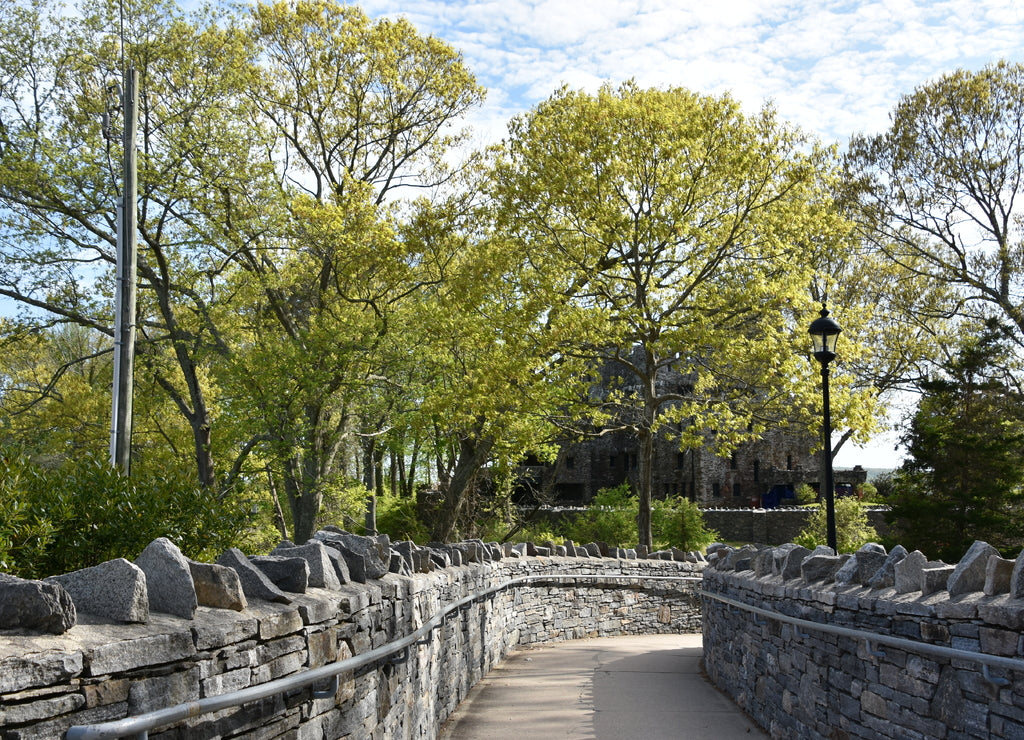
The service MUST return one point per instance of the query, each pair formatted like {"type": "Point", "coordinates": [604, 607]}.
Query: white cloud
{"type": "Point", "coordinates": [836, 67]}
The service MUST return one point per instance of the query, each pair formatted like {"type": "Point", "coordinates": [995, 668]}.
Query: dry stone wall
{"type": "Point", "coordinates": [771, 526]}
{"type": "Point", "coordinates": [234, 627]}
{"type": "Point", "coordinates": [799, 682]}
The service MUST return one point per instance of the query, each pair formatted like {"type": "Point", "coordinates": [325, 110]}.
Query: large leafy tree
{"type": "Point", "coordinates": [671, 230]}
{"type": "Point", "coordinates": [199, 169]}
{"type": "Point", "coordinates": [941, 190]}
{"type": "Point", "coordinates": [964, 479]}
{"type": "Point", "coordinates": [269, 144]}
{"type": "Point", "coordinates": [356, 109]}
{"type": "Point", "coordinates": [492, 378]}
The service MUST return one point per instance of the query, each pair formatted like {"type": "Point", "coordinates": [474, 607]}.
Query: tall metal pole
{"type": "Point", "coordinates": [127, 260]}
{"type": "Point", "coordinates": [826, 452]}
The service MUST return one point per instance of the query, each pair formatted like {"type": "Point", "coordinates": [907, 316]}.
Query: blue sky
{"type": "Point", "coordinates": [834, 67]}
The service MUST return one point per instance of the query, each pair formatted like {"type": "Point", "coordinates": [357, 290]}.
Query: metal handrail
{"type": "Point", "coordinates": [872, 638]}
{"type": "Point", "coordinates": [140, 725]}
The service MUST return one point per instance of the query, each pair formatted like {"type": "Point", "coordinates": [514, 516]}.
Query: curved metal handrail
{"type": "Point", "coordinates": [140, 725]}
{"type": "Point", "coordinates": [872, 638]}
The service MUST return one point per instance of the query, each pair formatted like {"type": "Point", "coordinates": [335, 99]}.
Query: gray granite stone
{"type": "Point", "coordinates": [794, 559]}
{"type": "Point", "coordinates": [1017, 578]}
{"type": "Point", "coordinates": [255, 583]}
{"type": "Point", "coordinates": [870, 560]}
{"type": "Point", "coordinates": [114, 590]}
{"type": "Point", "coordinates": [969, 574]}
{"type": "Point", "coordinates": [763, 564]}
{"type": "Point", "coordinates": [847, 573]}
{"type": "Point", "coordinates": [907, 572]}
{"type": "Point", "coordinates": [375, 551]}
{"type": "Point", "coordinates": [322, 572]}
{"type": "Point", "coordinates": [217, 586]}
{"type": "Point", "coordinates": [935, 578]}
{"type": "Point", "coordinates": [168, 579]}
{"type": "Point", "coordinates": [35, 605]}
{"type": "Point", "coordinates": [821, 567]}
{"type": "Point", "coordinates": [287, 573]}
{"type": "Point", "coordinates": [998, 572]}
{"type": "Point", "coordinates": [886, 575]}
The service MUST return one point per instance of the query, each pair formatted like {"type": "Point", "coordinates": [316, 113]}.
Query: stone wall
{"type": "Point", "coordinates": [771, 526]}
{"type": "Point", "coordinates": [98, 670]}
{"type": "Point", "coordinates": [799, 682]}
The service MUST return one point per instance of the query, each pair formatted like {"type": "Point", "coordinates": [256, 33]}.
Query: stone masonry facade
{"type": "Point", "coordinates": [98, 669]}
{"type": "Point", "coordinates": [806, 684]}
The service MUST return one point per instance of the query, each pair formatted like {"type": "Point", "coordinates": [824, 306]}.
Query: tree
{"type": "Point", "coordinates": [940, 190]}
{"type": "Point", "coordinates": [271, 146]}
{"type": "Point", "coordinates": [852, 528]}
{"type": "Point", "coordinates": [964, 478]}
{"type": "Point", "coordinates": [670, 230]}
{"type": "Point", "coordinates": [492, 382]}
{"type": "Point", "coordinates": [199, 170]}
{"type": "Point", "coordinates": [357, 109]}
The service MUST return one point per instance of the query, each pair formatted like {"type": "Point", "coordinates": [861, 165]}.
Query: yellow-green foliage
{"type": "Point", "coordinates": [611, 518]}
{"type": "Point", "coordinates": [852, 528]}
{"type": "Point", "coordinates": [84, 512]}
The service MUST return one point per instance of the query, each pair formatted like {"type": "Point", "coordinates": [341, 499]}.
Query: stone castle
{"type": "Point", "coordinates": [764, 472]}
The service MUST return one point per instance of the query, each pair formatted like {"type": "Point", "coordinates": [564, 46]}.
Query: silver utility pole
{"type": "Point", "coordinates": [127, 257]}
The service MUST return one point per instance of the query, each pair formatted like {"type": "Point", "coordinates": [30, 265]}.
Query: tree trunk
{"type": "Point", "coordinates": [645, 482]}
{"type": "Point", "coordinates": [304, 500]}
{"type": "Point", "coordinates": [473, 453]}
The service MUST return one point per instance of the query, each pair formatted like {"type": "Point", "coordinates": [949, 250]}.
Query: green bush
{"type": "Point", "coordinates": [678, 522]}
{"type": "Point", "coordinates": [84, 512]}
{"type": "Point", "coordinates": [612, 518]}
{"type": "Point", "coordinates": [805, 495]}
{"type": "Point", "coordinates": [852, 528]}
{"type": "Point", "coordinates": [397, 518]}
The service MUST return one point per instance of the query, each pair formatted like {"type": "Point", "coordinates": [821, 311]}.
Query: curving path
{"type": "Point", "coordinates": [647, 686]}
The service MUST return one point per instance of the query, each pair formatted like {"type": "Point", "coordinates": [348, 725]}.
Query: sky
{"type": "Point", "coordinates": [834, 67]}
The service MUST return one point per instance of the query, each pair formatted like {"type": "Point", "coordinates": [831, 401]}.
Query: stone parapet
{"type": "Point", "coordinates": [99, 670]}
{"type": "Point", "coordinates": [800, 682]}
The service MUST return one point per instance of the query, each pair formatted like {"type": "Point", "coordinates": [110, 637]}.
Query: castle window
{"type": "Point", "coordinates": [789, 462]}
{"type": "Point", "coordinates": [716, 490]}
{"type": "Point", "coordinates": [732, 461]}
{"type": "Point", "coordinates": [737, 490]}
{"type": "Point", "coordinates": [680, 457]}
{"type": "Point", "coordinates": [611, 461]}
{"type": "Point", "coordinates": [757, 470]}
{"type": "Point", "coordinates": [570, 462]}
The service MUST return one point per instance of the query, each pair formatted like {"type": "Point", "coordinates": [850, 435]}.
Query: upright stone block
{"type": "Point", "coordinates": [820, 567]}
{"type": "Point", "coordinates": [287, 573]}
{"type": "Point", "coordinates": [998, 573]}
{"type": "Point", "coordinates": [1017, 578]}
{"type": "Point", "coordinates": [791, 566]}
{"type": "Point", "coordinates": [217, 586]}
{"type": "Point", "coordinates": [255, 583]}
{"type": "Point", "coordinates": [114, 590]}
{"type": "Point", "coordinates": [322, 573]}
{"type": "Point", "coordinates": [168, 579]}
{"type": "Point", "coordinates": [969, 574]}
{"type": "Point", "coordinates": [907, 572]}
{"type": "Point", "coordinates": [35, 605]}
{"type": "Point", "coordinates": [886, 575]}
{"type": "Point", "coordinates": [935, 578]}
{"type": "Point", "coordinates": [375, 552]}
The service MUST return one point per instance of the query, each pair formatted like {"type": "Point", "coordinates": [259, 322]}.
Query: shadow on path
{"type": "Point", "coordinates": [611, 688]}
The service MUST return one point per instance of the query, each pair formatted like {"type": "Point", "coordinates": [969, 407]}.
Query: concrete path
{"type": "Point", "coordinates": [614, 688]}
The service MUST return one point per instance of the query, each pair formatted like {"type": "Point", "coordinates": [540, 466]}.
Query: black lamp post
{"type": "Point", "coordinates": [824, 333]}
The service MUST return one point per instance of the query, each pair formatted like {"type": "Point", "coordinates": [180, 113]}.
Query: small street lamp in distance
{"type": "Point", "coordinates": [824, 334]}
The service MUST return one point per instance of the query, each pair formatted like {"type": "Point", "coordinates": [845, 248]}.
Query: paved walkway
{"type": "Point", "coordinates": [613, 688]}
